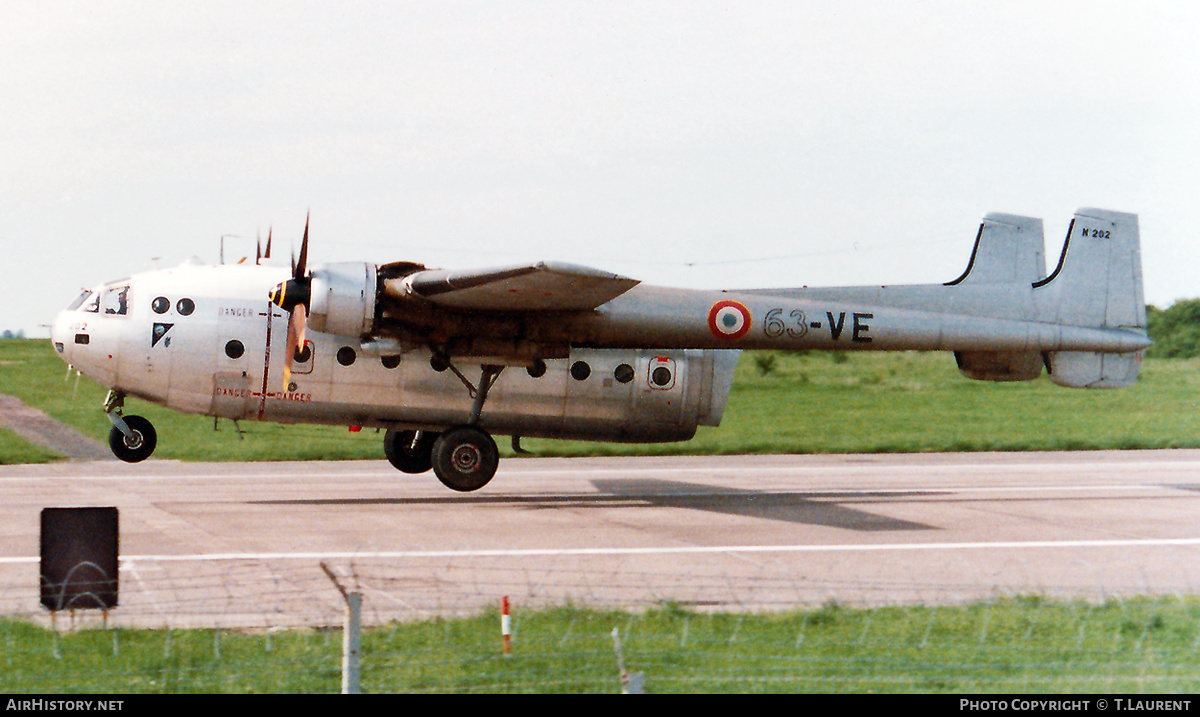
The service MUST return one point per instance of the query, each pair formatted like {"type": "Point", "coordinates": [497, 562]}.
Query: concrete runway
{"type": "Point", "coordinates": [243, 543]}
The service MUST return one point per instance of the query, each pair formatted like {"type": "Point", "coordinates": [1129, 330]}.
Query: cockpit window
{"type": "Point", "coordinates": [79, 301]}
{"type": "Point", "coordinates": [116, 300]}
{"type": "Point", "coordinates": [92, 303]}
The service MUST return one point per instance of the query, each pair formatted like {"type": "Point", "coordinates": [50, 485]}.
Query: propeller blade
{"type": "Point", "coordinates": [293, 296]}
{"type": "Point", "coordinates": [302, 265]}
{"type": "Point", "coordinates": [297, 330]}
{"type": "Point", "coordinates": [267, 254]}
{"type": "Point", "coordinates": [258, 249]}
{"type": "Point", "coordinates": [300, 316]}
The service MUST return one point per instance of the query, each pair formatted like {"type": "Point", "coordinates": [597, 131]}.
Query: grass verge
{"type": "Point", "coordinates": [1023, 644]}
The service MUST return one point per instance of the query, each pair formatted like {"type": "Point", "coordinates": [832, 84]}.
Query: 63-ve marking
{"type": "Point", "coordinates": [796, 325]}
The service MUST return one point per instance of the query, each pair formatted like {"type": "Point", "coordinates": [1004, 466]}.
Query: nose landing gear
{"type": "Point", "coordinates": [132, 438]}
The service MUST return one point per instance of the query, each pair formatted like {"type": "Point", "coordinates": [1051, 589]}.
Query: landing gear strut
{"type": "Point", "coordinates": [132, 438]}
{"type": "Point", "coordinates": [465, 457]}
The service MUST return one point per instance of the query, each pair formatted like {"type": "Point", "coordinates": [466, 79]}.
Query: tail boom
{"type": "Point", "coordinates": [1085, 322]}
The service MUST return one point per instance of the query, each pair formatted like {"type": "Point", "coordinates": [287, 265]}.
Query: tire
{"type": "Point", "coordinates": [138, 448]}
{"type": "Point", "coordinates": [406, 456]}
{"type": "Point", "coordinates": [465, 459]}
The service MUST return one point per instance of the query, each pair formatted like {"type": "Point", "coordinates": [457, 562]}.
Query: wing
{"type": "Point", "coordinates": [532, 287]}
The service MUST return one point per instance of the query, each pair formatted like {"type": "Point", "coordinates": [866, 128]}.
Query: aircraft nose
{"type": "Point", "coordinates": [59, 335]}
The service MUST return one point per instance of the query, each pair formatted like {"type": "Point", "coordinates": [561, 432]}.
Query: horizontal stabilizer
{"type": "Point", "coordinates": [999, 365]}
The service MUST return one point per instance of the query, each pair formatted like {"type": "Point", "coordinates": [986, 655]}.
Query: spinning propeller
{"type": "Point", "coordinates": [260, 254]}
{"type": "Point", "coordinates": [294, 296]}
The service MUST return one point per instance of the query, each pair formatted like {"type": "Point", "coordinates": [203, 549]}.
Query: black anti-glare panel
{"type": "Point", "coordinates": [79, 558]}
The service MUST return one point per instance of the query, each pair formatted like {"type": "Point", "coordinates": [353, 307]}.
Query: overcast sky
{"type": "Point", "coordinates": [722, 145]}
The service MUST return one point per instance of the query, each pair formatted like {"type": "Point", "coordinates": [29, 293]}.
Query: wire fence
{"type": "Point", "coordinates": [680, 622]}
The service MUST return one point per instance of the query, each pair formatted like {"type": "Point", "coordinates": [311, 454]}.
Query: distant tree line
{"type": "Point", "coordinates": [20, 334]}
{"type": "Point", "coordinates": [1175, 330]}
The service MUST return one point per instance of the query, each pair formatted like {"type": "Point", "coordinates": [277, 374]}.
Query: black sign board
{"type": "Point", "coordinates": [79, 558]}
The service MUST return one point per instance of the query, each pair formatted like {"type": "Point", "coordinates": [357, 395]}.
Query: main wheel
{"type": "Point", "coordinates": [465, 458]}
{"type": "Point", "coordinates": [136, 448]}
{"type": "Point", "coordinates": [409, 451]}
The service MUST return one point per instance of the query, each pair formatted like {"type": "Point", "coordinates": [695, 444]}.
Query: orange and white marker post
{"type": "Point", "coordinates": [505, 628]}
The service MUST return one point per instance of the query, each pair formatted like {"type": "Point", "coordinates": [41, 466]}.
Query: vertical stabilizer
{"type": "Point", "coordinates": [1008, 250]}
{"type": "Point", "coordinates": [1098, 284]}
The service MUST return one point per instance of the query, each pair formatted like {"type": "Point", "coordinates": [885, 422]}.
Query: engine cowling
{"type": "Point", "coordinates": [343, 299]}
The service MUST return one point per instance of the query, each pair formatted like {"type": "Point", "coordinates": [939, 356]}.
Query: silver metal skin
{"type": "Point", "coordinates": [561, 351]}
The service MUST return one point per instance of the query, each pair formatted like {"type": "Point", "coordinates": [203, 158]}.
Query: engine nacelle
{"type": "Point", "coordinates": [1000, 365]}
{"type": "Point", "coordinates": [343, 299]}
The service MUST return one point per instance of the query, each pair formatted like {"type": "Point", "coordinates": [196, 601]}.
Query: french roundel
{"type": "Point", "coordinates": [728, 320]}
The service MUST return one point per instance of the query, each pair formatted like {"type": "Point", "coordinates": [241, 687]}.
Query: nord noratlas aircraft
{"type": "Point", "coordinates": [441, 360]}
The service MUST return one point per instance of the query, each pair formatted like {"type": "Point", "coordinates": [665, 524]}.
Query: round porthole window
{"type": "Point", "coordinates": [346, 356]}
{"type": "Point", "coordinates": [185, 307]}
{"type": "Point", "coordinates": [623, 373]}
{"type": "Point", "coordinates": [661, 376]}
{"type": "Point", "coordinates": [234, 349]}
{"type": "Point", "coordinates": [160, 305]}
{"type": "Point", "coordinates": [389, 361]}
{"type": "Point", "coordinates": [580, 370]}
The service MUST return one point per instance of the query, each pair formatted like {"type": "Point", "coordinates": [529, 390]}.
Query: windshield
{"type": "Point", "coordinates": [79, 301]}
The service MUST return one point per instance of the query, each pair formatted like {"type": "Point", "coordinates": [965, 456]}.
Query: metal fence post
{"type": "Point", "coordinates": [350, 644]}
{"type": "Point", "coordinates": [351, 635]}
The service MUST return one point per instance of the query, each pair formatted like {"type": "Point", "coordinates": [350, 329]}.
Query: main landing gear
{"type": "Point", "coordinates": [465, 457]}
{"type": "Point", "coordinates": [132, 438]}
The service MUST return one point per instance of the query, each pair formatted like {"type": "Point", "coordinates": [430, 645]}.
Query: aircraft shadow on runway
{"type": "Point", "coordinates": [822, 508]}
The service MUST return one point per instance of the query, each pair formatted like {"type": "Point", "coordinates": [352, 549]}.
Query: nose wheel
{"type": "Point", "coordinates": [138, 444]}
{"type": "Point", "coordinates": [465, 458]}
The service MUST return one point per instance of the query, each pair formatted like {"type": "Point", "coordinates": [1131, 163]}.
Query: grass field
{"type": "Point", "coordinates": [781, 403]}
{"type": "Point", "coordinates": [1018, 645]}
{"type": "Point", "coordinates": [15, 449]}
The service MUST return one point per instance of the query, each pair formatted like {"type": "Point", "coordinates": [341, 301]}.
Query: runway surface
{"type": "Point", "coordinates": [243, 543]}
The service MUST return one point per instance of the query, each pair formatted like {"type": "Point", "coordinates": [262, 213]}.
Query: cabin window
{"type": "Point", "coordinates": [116, 301]}
{"type": "Point", "coordinates": [161, 305]}
{"type": "Point", "coordinates": [623, 373]}
{"type": "Point", "coordinates": [185, 307]}
{"type": "Point", "coordinates": [580, 370]}
{"type": "Point", "coordinates": [346, 356]}
{"type": "Point", "coordinates": [234, 349]}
